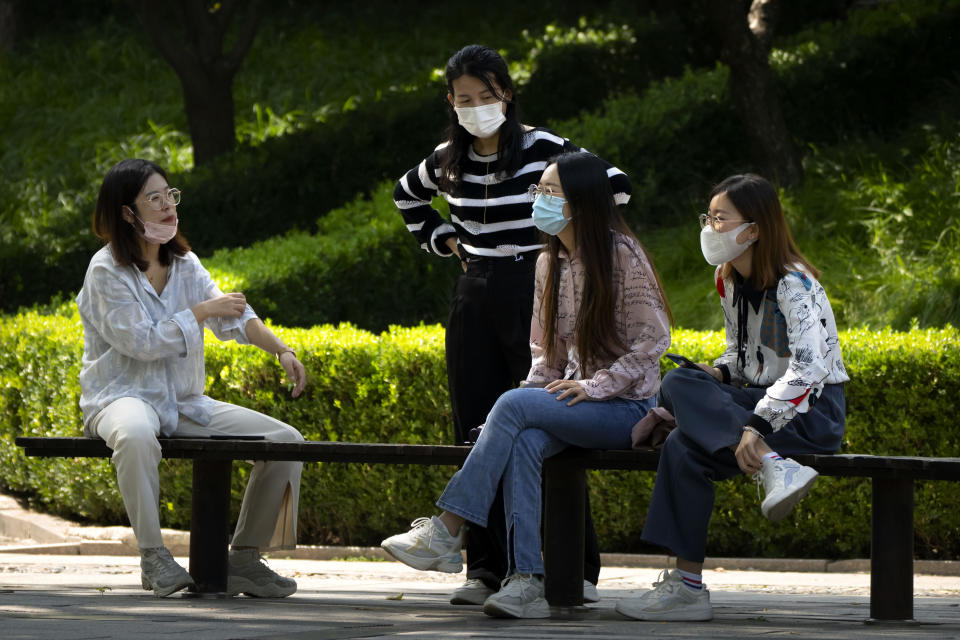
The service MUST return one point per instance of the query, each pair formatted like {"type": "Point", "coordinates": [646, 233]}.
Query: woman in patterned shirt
{"type": "Point", "coordinates": [600, 324]}
{"type": "Point", "coordinates": [777, 388]}
{"type": "Point", "coordinates": [145, 302]}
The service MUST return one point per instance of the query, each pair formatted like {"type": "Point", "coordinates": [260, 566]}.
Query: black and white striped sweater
{"type": "Point", "coordinates": [490, 217]}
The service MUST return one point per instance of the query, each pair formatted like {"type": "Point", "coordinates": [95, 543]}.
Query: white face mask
{"type": "Point", "coordinates": [720, 247]}
{"type": "Point", "coordinates": [482, 121]}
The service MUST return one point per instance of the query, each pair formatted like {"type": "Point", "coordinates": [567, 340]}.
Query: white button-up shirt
{"type": "Point", "coordinates": [139, 344]}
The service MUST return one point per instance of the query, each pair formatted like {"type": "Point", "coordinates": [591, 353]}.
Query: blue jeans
{"type": "Point", "coordinates": [525, 427]}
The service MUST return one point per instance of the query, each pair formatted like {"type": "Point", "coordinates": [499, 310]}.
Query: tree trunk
{"type": "Point", "coordinates": [9, 24]}
{"type": "Point", "coordinates": [193, 45]}
{"type": "Point", "coordinates": [745, 50]}
{"type": "Point", "coordinates": [208, 103]}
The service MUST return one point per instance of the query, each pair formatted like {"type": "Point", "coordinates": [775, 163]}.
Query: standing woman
{"type": "Point", "coordinates": [145, 302]}
{"type": "Point", "coordinates": [776, 390]}
{"type": "Point", "coordinates": [483, 169]}
{"type": "Point", "coordinates": [600, 325]}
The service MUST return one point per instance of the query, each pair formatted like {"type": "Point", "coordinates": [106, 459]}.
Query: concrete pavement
{"type": "Point", "coordinates": [91, 594]}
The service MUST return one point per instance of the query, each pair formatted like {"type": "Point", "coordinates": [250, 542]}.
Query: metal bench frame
{"type": "Point", "coordinates": [891, 557]}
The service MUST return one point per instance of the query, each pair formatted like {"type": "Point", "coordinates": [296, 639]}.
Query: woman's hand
{"type": "Point", "coordinates": [570, 389]}
{"type": "Point", "coordinates": [750, 452]}
{"type": "Point", "coordinates": [295, 371]}
{"type": "Point", "coordinates": [451, 243]}
{"type": "Point", "coordinates": [229, 305]}
{"type": "Point", "coordinates": [716, 373]}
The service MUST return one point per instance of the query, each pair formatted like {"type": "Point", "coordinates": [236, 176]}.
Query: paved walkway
{"type": "Point", "coordinates": [91, 594]}
{"type": "Point", "coordinates": [93, 597]}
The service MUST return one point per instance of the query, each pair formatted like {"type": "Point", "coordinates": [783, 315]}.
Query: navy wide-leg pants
{"type": "Point", "coordinates": [710, 418]}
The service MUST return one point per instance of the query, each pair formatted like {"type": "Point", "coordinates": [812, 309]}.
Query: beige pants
{"type": "Point", "coordinates": [268, 515]}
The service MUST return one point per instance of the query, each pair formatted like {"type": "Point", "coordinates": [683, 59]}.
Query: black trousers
{"type": "Point", "coordinates": [488, 353]}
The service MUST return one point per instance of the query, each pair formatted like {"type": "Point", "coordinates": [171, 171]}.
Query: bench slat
{"type": "Point", "coordinates": [850, 465]}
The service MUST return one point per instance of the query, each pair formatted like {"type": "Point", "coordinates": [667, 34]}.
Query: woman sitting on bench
{"type": "Point", "coordinates": [776, 389]}
{"type": "Point", "coordinates": [600, 324]}
{"type": "Point", "coordinates": [145, 302]}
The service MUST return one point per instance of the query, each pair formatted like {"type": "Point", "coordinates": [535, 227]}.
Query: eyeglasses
{"type": "Point", "coordinates": [715, 221]}
{"type": "Point", "coordinates": [156, 200]}
{"type": "Point", "coordinates": [535, 190]}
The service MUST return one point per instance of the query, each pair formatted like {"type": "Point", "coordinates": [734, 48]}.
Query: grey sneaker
{"type": "Point", "coordinates": [785, 483]}
{"type": "Point", "coordinates": [473, 591]}
{"type": "Point", "coordinates": [160, 573]}
{"type": "Point", "coordinates": [428, 546]}
{"type": "Point", "coordinates": [668, 600]}
{"type": "Point", "coordinates": [520, 596]}
{"type": "Point", "coordinates": [248, 573]}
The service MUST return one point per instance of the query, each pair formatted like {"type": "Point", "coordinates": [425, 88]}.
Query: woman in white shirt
{"type": "Point", "coordinates": [600, 324]}
{"type": "Point", "coordinates": [145, 302]}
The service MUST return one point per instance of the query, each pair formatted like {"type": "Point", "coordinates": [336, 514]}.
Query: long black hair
{"type": "Point", "coordinates": [489, 67]}
{"type": "Point", "coordinates": [586, 188]}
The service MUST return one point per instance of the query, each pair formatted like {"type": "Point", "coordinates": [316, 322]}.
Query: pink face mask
{"type": "Point", "coordinates": [158, 233]}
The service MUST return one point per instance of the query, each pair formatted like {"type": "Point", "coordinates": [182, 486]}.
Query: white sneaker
{"type": "Point", "coordinates": [785, 483]}
{"type": "Point", "coordinates": [248, 573]}
{"type": "Point", "coordinates": [428, 546]}
{"type": "Point", "coordinates": [669, 599]}
{"type": "Point", "coordinates": [590, 592]}
{"type": "Point", "coordinates": [160, 573]}
{"type": "Point", "coordinates": [473, 591]}
{"type": "Point", "coordinates": [520, 596]}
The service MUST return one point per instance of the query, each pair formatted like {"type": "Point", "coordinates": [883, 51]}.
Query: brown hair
{"type": "Point", "coordinates": [587, 189]}
{"type": "Point", "coordinates": [120, 188]}
{"type": "Point", "coordinates": [774, 253]}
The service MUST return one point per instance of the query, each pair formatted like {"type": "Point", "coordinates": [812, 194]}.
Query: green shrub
{"type": "Point", "coordinates": [681, 135]}
{"type": "Point", "coordinates": [392, 388]}
{"type": "Point", "coordinates": [313, 147]}
{"type": "Point", "coordinates": [362, 265]}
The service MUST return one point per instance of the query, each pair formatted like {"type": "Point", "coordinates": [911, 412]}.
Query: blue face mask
{"type": "Point", "coordinates": [548, 214]}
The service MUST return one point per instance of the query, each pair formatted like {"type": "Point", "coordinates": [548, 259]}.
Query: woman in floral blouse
{"type": "Point", "coordinates": [776, 389]}
{"type": "Point", "coordinates": [600, 324]}
{"type": "Point", "coordinates": [145, 303]}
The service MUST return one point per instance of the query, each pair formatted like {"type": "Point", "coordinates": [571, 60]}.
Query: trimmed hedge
{"type": "Point", "coordinates": [391, 388]}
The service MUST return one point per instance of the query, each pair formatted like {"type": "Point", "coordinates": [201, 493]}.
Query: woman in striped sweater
{"type": "Point", "coordinates": [484, 169]}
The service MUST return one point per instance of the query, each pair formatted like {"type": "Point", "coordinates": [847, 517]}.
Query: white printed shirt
{"type": "Point", "coordinates": [790, 345]}
{"type": "Point", "coordinates": [139, 344]}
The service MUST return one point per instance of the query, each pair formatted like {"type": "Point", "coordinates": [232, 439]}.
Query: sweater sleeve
{"type": "Point", "coordinates": [644, 325]}
{"type": "Point", "coordinates": [801, 301]}
{"type": "Point", "coordinates": [542, 370]}
{"type": "Point", "coordinates": [413, 196]}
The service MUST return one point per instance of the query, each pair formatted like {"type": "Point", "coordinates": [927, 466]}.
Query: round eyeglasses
{"type": "Point", "coordinates": [716, 221]}
{"type": "Point", "coordinates": [156, 200]}
{"type": "Point", "coordinates": [535, 190]}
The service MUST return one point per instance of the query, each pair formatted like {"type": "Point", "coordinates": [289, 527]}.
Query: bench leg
{"type": "Point", "coordinates": [891, 556]}
{"type": "Point", "coordinates": [209, 520]}
{"type": "Point", "coordinates": [563, 536]}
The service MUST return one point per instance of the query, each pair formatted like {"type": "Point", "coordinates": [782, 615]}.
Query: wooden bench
{"type": "Point", "coordinates": [891, 568]}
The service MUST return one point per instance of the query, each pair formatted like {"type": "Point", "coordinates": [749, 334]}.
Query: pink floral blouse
{"type": "Point", "coordinates": [641, 319]}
